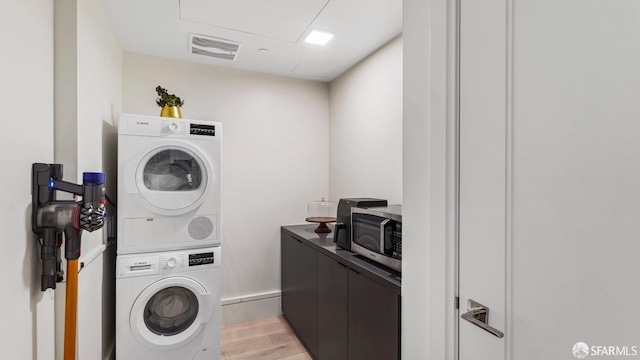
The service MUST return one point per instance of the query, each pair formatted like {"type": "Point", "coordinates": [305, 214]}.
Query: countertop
{"type": "Point", "coordinates": [324, 244]}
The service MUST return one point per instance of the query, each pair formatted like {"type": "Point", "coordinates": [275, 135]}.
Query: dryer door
{"type": "Point", "coordinates": [171, 178]}
{"type": "Point", "coordinates": [170, 313]}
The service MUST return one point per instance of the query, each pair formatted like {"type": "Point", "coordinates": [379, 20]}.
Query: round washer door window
{"type": "Point", "coordinates": [170, 313]}
{"type": "Point", "coordinates": [173, 180]}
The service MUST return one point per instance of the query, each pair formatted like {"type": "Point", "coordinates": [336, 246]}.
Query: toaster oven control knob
{"type": "Point", "coordinates": [172, 262]}
{"type": "Point", "coordinates": [173, 126]}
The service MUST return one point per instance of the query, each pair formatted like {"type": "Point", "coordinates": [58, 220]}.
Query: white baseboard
{"type": "Point", "coordinates": [253, 297]}
{"type": "Point", "coordinates": [251, 307]}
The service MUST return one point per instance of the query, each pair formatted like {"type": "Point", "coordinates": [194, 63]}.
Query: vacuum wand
{"type": "Point", "coordinates": [51, 218]}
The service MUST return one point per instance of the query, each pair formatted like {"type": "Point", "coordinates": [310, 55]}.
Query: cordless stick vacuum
{"type": "Point", "coordinates": [51, 218]}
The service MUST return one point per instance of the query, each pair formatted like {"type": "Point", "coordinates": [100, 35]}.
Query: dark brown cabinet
{"type": "Point", "coordinates": [337, 311]}
{"type": "Point", "coordinates": [300, 290]}
{"type": "Point", "coordinates": [332, 309]}
{"type": "Point", "coordinates": [373, 320]}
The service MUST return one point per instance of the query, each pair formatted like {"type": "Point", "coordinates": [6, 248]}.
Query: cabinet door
{"type": "Point", "coordinates": [332, 309]}
{"type": "Point", "coordinates": [374, 320]}
{"type": "Point", "coordinates": [290, 295]}
{"type": "Point", "coordinates": [300, 290]}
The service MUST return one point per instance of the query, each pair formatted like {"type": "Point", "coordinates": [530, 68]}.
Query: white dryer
{"type": "Point", "coordinates": [168, 183]}
{"type": "Point", "coordinates": [168, 305]}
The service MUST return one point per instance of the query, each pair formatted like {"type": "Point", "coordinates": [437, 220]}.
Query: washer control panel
{"type": "Point", "coordinates": [201, 259]}
{"type": "Point", "coordinates": [134, 265]}
{"type": "Point", "coordinates": [172, 261]}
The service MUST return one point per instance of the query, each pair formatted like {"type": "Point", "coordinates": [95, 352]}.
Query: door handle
{"type": "Point", "coordinates": [478, 315]}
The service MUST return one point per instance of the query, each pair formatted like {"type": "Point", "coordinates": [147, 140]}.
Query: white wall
{"type": "Point", "coordinates": [366, 127]}
{"type": "Point", "coordinates": [88, 97]}
{"type": "Point", "coordinates": [275, 160]}
{"type": "Point", "coordinates": [99, 101]}
{"type": "Point", "coordinates": [26, 70]}
{"type": "Point", "coordinates": [99, 92]}
{"type": "Point", "coordinates": [89, 77]}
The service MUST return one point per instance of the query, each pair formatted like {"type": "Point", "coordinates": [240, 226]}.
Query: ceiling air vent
{"type": "Point", "coordinates": [213, 47]}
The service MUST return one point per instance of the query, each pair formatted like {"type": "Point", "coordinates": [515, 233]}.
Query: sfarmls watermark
{"type": "Point", "coordinates": [582, 350]}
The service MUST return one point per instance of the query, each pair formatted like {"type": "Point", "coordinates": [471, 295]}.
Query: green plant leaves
{"type": "Point", "coordinates": [164, 98]}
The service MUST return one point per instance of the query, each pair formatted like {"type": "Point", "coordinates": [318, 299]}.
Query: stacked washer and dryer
{"type": "Point", "coordinates": [169, 255]}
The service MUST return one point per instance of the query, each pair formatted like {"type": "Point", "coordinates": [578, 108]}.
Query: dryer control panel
{"type": "Point", "coordinates": [202, 129]}
{"type": "Point", "coordinates": [134, 265]}
{"type": "Point", "coordinates": [169, 127]}
{"type": "Point", "coordinates": [172, 127]}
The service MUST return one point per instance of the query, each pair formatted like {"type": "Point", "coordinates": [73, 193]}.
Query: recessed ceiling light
{"type": "Point", "coordinates": [318, 37]}
{"type": "Point", "coordinates": [263, 50]}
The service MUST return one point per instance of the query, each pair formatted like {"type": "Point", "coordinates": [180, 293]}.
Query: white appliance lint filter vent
{"type": "Point", "coordinates": [213, 47]}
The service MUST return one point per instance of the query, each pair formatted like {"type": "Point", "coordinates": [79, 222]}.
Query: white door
{"type": "Point", "coordinates": [550, 178]}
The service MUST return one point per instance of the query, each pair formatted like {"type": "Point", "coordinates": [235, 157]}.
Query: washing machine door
{"type": "Point", "coordinates": [170, 313]}
{"type": "Point", "coordinates": [171, 178]}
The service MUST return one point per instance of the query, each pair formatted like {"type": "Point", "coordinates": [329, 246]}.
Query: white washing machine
{"type": "Point", "coordinates": [168, 305]}
{"type": "Point", "coordinates": [168, 183]}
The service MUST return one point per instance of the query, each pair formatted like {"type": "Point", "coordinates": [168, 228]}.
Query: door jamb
{"type": "Point", "coordinates": [430, 179]}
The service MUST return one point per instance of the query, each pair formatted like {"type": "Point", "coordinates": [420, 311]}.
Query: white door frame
{"type": "Point", "coordinates": [430, 179]}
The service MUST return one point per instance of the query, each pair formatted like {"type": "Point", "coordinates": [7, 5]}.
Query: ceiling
{"type": "Point", "coordinates": [163, 28]}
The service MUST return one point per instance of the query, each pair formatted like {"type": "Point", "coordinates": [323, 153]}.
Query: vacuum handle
{"type": "Point", "coordinates": [72, 246]}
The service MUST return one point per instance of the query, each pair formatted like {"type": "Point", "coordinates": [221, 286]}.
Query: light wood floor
{"type": "Point", "coordinates": [266, 339]}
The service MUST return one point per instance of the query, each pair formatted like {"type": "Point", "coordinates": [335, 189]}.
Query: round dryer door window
{"type": "Point", "coordinates": [170, 313]}
{"type": "Point", "coordinates": [172, 179]}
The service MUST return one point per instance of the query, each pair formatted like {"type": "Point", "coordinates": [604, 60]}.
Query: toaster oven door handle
{"type": "Point", "coordinates": [383, 224]}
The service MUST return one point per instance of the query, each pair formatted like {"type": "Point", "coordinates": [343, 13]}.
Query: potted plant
{"type": "Point", "coordinates": [170, 103]}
